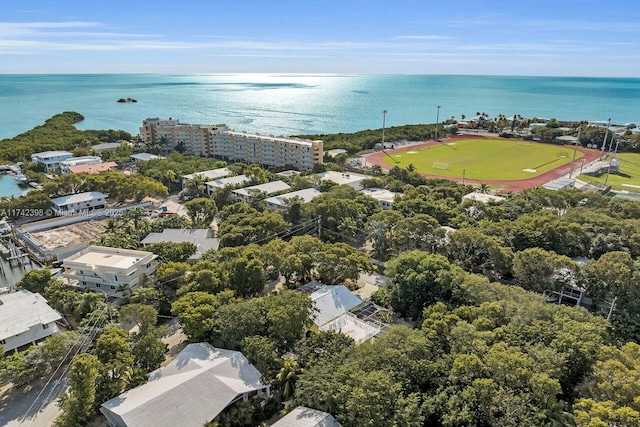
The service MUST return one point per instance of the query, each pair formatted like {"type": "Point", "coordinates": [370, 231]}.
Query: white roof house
{"type": "Point", "coordinates": [333, 306]}
{"type": "Point", "coordinates": [560, 184]}
{"type": "Point", "coordinates": [344, 178]}
{"type": "Point", "coordinates": [25, 318]}
{"type": "Point", "coordinates": [143, 157]}
{"type": "Point", "coordinates": [106, 146]}
{"type": "Point", "coordinates": [269, 188]}
{"type": "Point", "coordinates": [108, 270]}
{"type": "Point", "coordinates": [384, 197]}
{"type": "Point", "coordinates": [198, 384]}
{"type": "Point", "coordinates": [278, 202]}
{"type": "Point", "coordinates": [221, 183]}
{"type": "Point", "coordinates": [76, 161]}
{"type": "Point", "coordinates": [50, 159]}
{"type": "Point", "coordinates": [210, 175]}
{"type": "Point", "coordinates": [302, 416]}
{"type": "Point", "coordinates": [201, 238]}
{"type": "Point", "coordinates": [481, 197]}
{"type": "Point", "coordinates": [78, 202]}
{"type": "Point", "coordinates": [331, 302]}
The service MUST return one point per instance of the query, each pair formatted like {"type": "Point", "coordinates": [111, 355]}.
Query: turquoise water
{"type": "Point", "coordinates": [8, 187]}
{"type": "Point", "coordinates": [294, 104]}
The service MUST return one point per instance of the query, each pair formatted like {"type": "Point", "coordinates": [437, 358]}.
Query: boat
{"type": "Point", "coordinates": [21, 179]}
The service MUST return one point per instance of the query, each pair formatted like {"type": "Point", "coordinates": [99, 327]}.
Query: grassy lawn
{"type": "Point", "coordinates": [485, 159]}
{"type": "Point", "coordinates": [629, 173]}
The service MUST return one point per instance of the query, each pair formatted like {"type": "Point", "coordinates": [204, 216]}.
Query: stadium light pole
{"type": "Point", "coordinates": [575, 149]}
{"type": "Point", "coordinates": [384, 118]}
{"type": "Point", "coordinates": [604, 143]}
{"type": "Point", "coordinates": [437, 121]}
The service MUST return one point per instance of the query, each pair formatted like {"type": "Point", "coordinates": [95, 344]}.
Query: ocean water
{"type": "Point", "coordinates": [290, 104]}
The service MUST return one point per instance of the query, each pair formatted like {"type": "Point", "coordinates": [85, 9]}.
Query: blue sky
{"type": "Point", "coordinates": [499, 37]}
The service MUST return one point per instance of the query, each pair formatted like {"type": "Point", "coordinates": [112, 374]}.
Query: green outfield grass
{"type": "Point", "coordinates": [629, 173]}
{"type": "Point", "coordinates": [489, 159]}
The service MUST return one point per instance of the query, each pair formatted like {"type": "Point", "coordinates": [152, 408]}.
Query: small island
{"type": "Point", "coordinates": [127, 100]}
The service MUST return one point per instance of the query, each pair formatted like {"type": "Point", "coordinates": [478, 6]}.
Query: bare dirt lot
{"type": "Point", "coordinates": [88, 231]}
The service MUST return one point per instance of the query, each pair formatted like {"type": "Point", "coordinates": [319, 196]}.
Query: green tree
{"type": "Point", "coordinates": [196, 312]}
{"type": "Point", "coordinates": [35, 280]}
{"type": "Point", "coordinates": [287, 377]}
{"type": "Point", "coordinates": [201, 211]}
{"type": "Point", "coordinates": [78, 406]}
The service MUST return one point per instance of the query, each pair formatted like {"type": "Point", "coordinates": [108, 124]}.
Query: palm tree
{"type": "Point", "coordinates": [169, 177]}
{"type": "Point", "coordinates": [196, 186]}
{"type": "Point", "coordinates": [287, 378]}
{"type": "Point", "coordinates": [483, 188]}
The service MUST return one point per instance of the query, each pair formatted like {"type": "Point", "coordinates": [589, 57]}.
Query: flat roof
{"type": "Point", "coordinates": [232, 180]}
{"type": "Point", "coordinates": [99, 256]}
{"type": "Point", "coordinates": [106, 146]}
{"type": "Point", "coordinates": [45, 154]}
{"type": "Point", "coordinates": [341, 177]}
{"type": "Point", "coordinates": [291, 140]}
{"type": "Point", "coordinates": [560, 183]}
{"type": "Point", "coordinates": [306, 195]}
{"type": "Point", "coordinates": [23, 309]}
{"type": "Point", "coordinates": [145, 156]}
{"type": "Point", "coordinates": [381, 194]}
{"type": "Point", "coordinates": [307, 417]}
{"type": "Point", "coordinates": [210, 174]}
{"type": "Point", "coordinates": [78, 198]}
{"type": "Point", "coordinates": [481, 197]}
{"type": "Point", "coordinates": [269, 188]}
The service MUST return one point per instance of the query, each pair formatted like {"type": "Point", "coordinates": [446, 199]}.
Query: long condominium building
{"type": "Point", "coordinates": [267, 150]}
{"type": "Point", "coordinates": [172, 135]}
{"type": "Point", "coordinates": [221, 142]}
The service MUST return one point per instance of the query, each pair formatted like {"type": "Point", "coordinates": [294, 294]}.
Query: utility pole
{"type": "Point", "coordinates": [319, 227]}
{"type": "Point", "coordinates": [464, 171]}
{"type": "Point", "coordinates": [437, 122]}
{"type": "Point", "coordinates": [575, 149]}
{"type": "Point", "coordinates": [613, 303]}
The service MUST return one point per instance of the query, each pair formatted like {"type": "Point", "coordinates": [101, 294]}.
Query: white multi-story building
{"type": "Point", "coordinates": [108, 270]}
{"type": "Point", "coordinates": [79, 202]}
{"type": "Point", "coordinates": [51, 159]}
{"type": "Point", "coordinates": [172, 135]}
{"type": "Point", "coordinates": [25, 318]}
{"type": "Point", "coordinates": [267, 150]}
{"type": "Point", "coordinates": [65, 165]}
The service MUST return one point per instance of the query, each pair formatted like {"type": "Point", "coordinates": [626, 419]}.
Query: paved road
{"type": "Point", "coordinates": [18, 411]}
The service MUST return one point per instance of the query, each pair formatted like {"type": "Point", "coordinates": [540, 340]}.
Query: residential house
{"type": "Point", "coordinates": [77, 161]}
{"type": "Point", "coordinates": [201, 238]}
{"type": "Point", "coordinates": [268, 188]}
{"type": "Point", "coordinates": [193, 389]}
{"type": "Point", "coordinates": [385, 198]}
{"type": "Point", "coordinates": [353, 180]}
{"type": "Point", "coordinates": [79, 202]}
{"type": "Point", "coordinates": [302, 416]}
{"type": "Point", "coordinates": [51, 159]}
{"type": "Point", "coordinates": [144, 157]}
{"type": "Point", "coordinates": [210, 175]}
{"type": "Point", "coordinates": [93, 168]}
{"type": "Point", "coordinates": [232, 181]}
{"type": "Point", "coordinates": [108, 270]}
{"type": "Point", "coordinates": [279, 202]}
{"type": "Point", "coordinates": [25, 318]}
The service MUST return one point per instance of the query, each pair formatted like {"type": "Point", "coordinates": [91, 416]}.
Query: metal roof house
{"type": "Point", "coordinates": [269, 188]}
{"type": "Point", "coordinates": [302, 416]}
{"type": "Point", "coordinates": [25, 318]}
{"type": "Point", "coordinates": [78, 202]}
{"type": "Point", "coordinates": [201, 238]}
{"type": "Point", "coordinates": [279, 202]}
{"type": "Point", "coordinates": [143, 157]}
{"type": "Point", "coordinates": [560, 184]}
{"type": "Point", "coordinates": [210, 175]}
{"type": "Point", "coordinates": [198, 384]}
{"type": "Point", "coordinates": [233, 181]}
{"type": "Point", "coordinates": [51, 159]}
